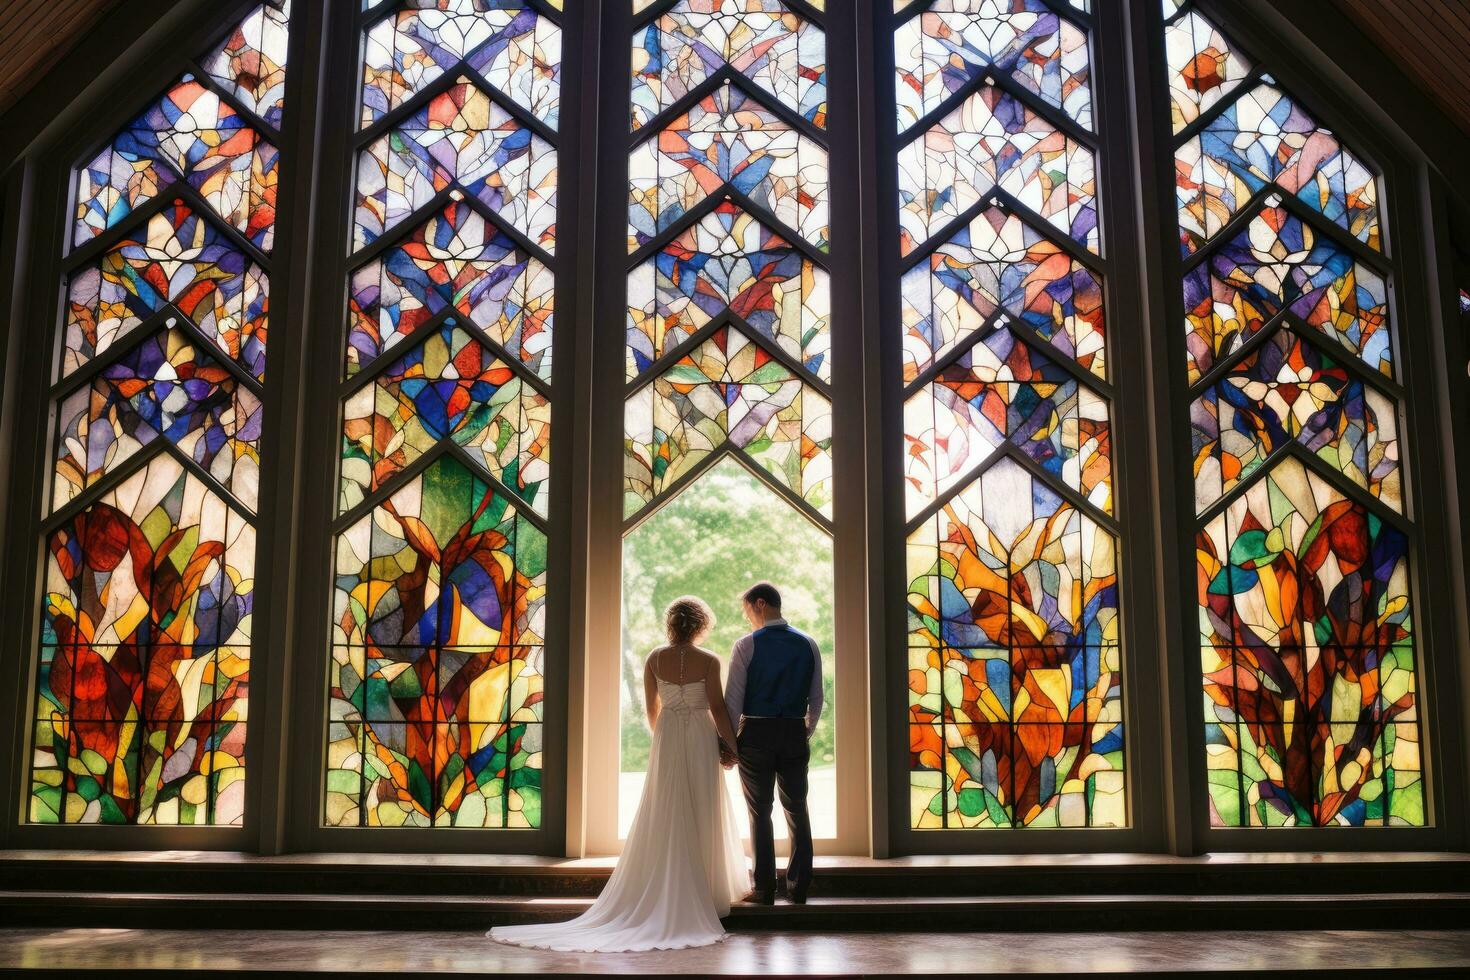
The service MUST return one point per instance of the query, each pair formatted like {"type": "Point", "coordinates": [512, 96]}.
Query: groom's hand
{"type": "Point", "coordinates": [728, 758]}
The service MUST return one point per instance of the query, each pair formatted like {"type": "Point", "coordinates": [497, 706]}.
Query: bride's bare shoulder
{"type": "Point", "coordinates": [707, 658]}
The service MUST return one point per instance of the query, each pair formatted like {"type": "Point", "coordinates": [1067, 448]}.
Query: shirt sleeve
{"type": "Point", "coordinates": [735, 682]}
{"type": "Point", "coordinates": [814, 699]}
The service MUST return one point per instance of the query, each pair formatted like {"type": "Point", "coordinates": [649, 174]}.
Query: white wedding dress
{"type": "Point", "coordinates": [682, 864]}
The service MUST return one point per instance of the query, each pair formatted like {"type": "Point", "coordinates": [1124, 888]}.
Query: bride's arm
{"type": "Point", "coordinates": [717, 703]}
{"type": "Point", "coordinates": [650, 693]}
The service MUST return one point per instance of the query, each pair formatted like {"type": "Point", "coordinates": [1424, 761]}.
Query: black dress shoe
{"type": "Point", "coordinates": [760, 898]}
{"type": "Point", "coordinates": [797, 896]}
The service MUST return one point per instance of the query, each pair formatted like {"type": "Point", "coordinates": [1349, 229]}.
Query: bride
{"type": "Point", "coordinates": [682, 865]}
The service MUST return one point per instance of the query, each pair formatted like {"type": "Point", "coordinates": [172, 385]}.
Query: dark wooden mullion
{"type": "Point", "coordinates": [1288, 322]}
{"type": "Point", "coordinates": [1247, 84]}
{"type": "Point", "coordinates": [177, 190]}
{"type": "Point", "coordinates": [1002, 319]}
{"type": "Point", "coordinates": [368, 19]}
{"type": "Point", "coordinates": [262, 128]}
{"type": "Point", "coordinates": [706, 207]}
{"type": "Point", "coordinates": [398, 233]}
{"type": "Point", "coordinates": [92, 147]}
{"type": "Point", "coordinates": [1002, 80]}
{"type": "Point", "coordinates": [995, 197]}
{"type": "Point", "coordinates": [1009, 450]}
{"type": "Point", "coordinates": [110, 481]}
{"type": "Point", "coordinates": [108, 238]}
{"type": "Point", "coordinates": [370, 372]}
{"type": "Point", "coordinates": [807, 11]}
{"type": "Point", "coordinates": [1349, 361]}
{"type": "Point", "coordinates": [726, 318]}
{"type": "Point", "coordinates": [185, 325]}
{"type": "Point", "coordinates": [717, 80]}
{"type": "Point", "coordinates": [1315, 466]}
{"type": "Point", "coordinates": [1316, 220]}
{"type": "Point", "coordinates": [652, 13]}
{"type": "Point", "coordinates": [1064, 10]}
{"type": "Point", "coordinates": [405, 110]}
{"type": "Point", "coordinates": [405, 476]}
{"type": "Point", "coordinates": [522, 115]}
{"type": "Point", "coordinates": [663, 498]}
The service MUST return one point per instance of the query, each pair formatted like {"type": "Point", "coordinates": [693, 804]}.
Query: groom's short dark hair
{"type": "Point", "coordinates": [763, 590]}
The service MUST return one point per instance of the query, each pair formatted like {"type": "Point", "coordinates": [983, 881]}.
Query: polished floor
{"type": "Point", "coordinates": [377, 953]}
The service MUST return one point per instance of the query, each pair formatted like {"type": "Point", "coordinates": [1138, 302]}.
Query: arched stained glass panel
{"type": "Point", "coordinates": [149, 573]}
{"type": "Point", "coordinates": [728, 404]}
{"type": "Point", "coordinates": [1015, 676]}
{"type": "Point", "coordinates": [1307, 647]}
{"type": "Point", "coordinates": [437, 658]}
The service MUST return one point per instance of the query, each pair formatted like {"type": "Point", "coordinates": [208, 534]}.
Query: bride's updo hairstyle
{"type": "Point", "coordinates": [688, 619]}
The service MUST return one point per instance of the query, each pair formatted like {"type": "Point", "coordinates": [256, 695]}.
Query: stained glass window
{"type": "Point", "coordinates": [438, 630]}
{"type": "Point", "coordinates": [149, 559]}
{"type": "Point", "coordinates": [1015, 673]}
{"type": "Point", "coordinates": [781, 52]}
{"type": "Point", "coordinates": [728, 352]}
{"type": "Point", "coordinates": [1307, 650]}
{"type": "Point", "coordinates": [729, 299]}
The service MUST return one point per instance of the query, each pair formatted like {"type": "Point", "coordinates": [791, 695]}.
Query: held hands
{"type": "Point", "coordinates": [728, 756]}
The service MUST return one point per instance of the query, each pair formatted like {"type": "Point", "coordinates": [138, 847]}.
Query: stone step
{"type": "Point", "coordinates": [1071, 913]}
{"type": "Point", "coordinates": [918, 877]}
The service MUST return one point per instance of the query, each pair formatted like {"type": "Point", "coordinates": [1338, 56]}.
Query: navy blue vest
{"type": "Point", "coordinates": [778, 682]}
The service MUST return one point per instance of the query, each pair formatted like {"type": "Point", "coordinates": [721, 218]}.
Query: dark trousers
{"type": "Point", "coordinates": [773, 756]}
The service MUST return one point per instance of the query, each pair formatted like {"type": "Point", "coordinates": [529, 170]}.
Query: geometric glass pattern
{"type": "Point", "coordinates": [1003, 391]}
{"type": "Point", "coordinates": [457, 260]}
{"type": "Point", "coordinates": [437, 657]}
{"type": "Point", "coordinates": [1203, 67]}
{"type": "Point", "coordinates": [1014, 658]}
{"type": "Point", "coordinates": [1307, 654]}
{"type": "Point", "coordinates": [461, 139]}
{"type": "Point", "coordinates": [956, 41]}
{"type": "Point", "coordinates": [728, 139]}
{"type": "Point", "coordinates": [166, 386]}
{"type": "Point", "coordinates": [993, 140]}
{"type": "Point", "coordinates": [1261, 139]}
{"type": "Point", "coordinates": [1281, 264]}
{"type": "Point", "coordinates": [728, 391]}
{"type": "Point", "coordinates": [142, 683]}
{"type": "Point", "coordinates": [451, 385]}
{"type": "Point", "coordinates": [694, 40]}
{"type": "Point", "coordinates": [509, 45]}
{"type": "Point", "coordinates": [436, 661]}
{"type": "Point", "coordinates": [729, 263]}
{"type": "Point", "coordinates": [192, 135]}
{"type": "Point", "coordinates": [1287, 392]}
{"type": "Point", "coordinates": [179, 258]}
{"type": "Point", "coordinates": [251, 61]}
{"type": "Point", "coordinates": [1000, 263]}
{"type": "Point", "coordinates": [1015, 692]}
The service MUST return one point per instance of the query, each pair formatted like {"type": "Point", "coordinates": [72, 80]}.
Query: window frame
{"type": "Point", "coordinates": [1165, 771]}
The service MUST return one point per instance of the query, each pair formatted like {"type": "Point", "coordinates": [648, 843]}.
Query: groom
{"type": "Point", "coordinates": [774, 696]}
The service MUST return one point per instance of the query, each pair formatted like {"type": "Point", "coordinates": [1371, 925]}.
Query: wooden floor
{"type": "Point", "coordinates": [1033, 954]}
